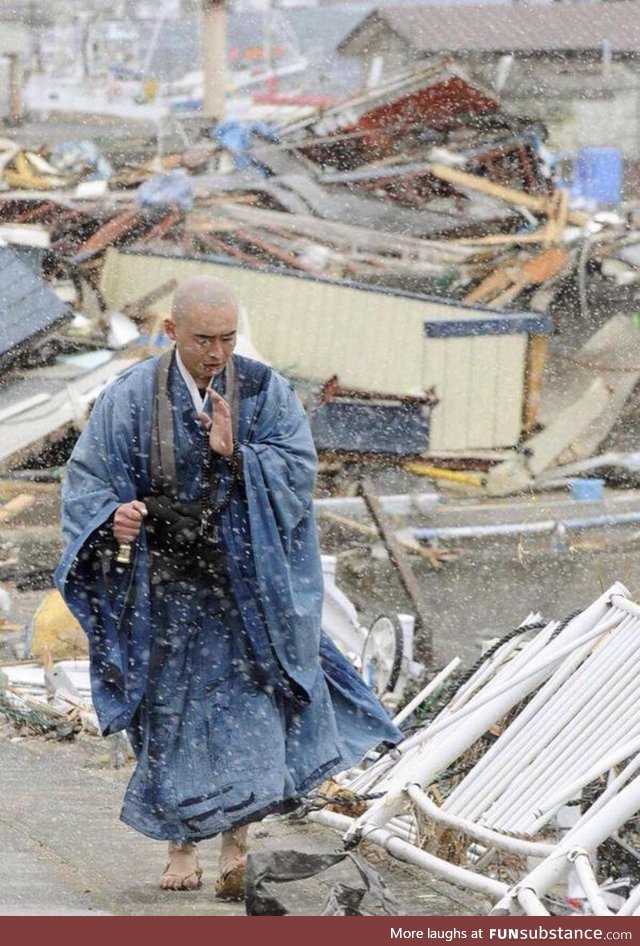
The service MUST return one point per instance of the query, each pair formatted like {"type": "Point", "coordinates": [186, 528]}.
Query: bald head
{"type": "Point", "coordinates": [203, 324]}
{"type": "Point", "coordinates": [201, 291]}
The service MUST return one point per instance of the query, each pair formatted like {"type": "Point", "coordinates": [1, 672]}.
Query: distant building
{"type": "Point", "coordinates": [575, 65]}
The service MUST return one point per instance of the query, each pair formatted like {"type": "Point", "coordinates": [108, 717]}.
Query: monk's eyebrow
{"type": "Point", "coordinates": [223, 335]}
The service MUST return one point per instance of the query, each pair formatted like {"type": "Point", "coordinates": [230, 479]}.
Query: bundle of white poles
{"type": "Point", "coordinates": [547, 716]}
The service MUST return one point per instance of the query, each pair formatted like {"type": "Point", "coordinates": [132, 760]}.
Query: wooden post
{"type": "Point", "coordinates": [424, 642]}
{"type": "Point", "coordinates": [15, 89]}
{"type": "Point", "coordinates": [214, 57]}
{"type": "Point", "coordinates": [537, 346]}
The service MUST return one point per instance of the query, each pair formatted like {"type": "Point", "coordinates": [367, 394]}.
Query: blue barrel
{"type": "Point", "coordinates": [598, 175]}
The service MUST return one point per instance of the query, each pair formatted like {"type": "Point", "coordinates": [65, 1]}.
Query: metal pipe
{"type": "Point", "coordinates": [394, 504]}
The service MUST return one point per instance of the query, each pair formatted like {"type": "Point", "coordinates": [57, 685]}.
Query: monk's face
{"type": "Point", "coordinates": [205, 336]}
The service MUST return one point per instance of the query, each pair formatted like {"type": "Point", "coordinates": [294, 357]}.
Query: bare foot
{"type": "Point", "coordinates": [182, 871]}
{"type": "Point", "coordinates": [233, 857]}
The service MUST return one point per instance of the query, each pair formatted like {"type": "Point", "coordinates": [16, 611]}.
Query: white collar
{"type": "Point", "coordinates": [192, 387]}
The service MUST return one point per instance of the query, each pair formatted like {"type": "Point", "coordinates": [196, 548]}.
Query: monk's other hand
{"type": "Point", "coordinates": [219, 425]}
{"type": "Point", "coordinates": [127, 520]}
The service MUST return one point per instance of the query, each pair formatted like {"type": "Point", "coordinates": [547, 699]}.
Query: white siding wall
{"type": "Point", "coordinates": [370, 340]}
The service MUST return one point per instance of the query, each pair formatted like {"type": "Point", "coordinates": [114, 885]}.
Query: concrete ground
{"type": "Point", "coordinates": [64, 851]}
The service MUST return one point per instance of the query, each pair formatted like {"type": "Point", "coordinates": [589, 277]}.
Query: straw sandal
{"type": "Point", "coordinates": [190, 881]}
{"type": "Point", "coordinates": [230, 883]}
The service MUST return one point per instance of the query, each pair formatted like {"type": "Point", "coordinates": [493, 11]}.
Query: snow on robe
{"type": "Point", "coordinates": [269, 541]}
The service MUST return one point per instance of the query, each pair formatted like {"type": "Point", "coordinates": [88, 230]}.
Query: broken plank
{"type": "Point", "coordinates": [289, 259]}
{"type": "Point", "coordinates": [509, 194]}
{"type": "Point", "coordinates": [369, 532]}
{"type": "Point", "coordinates": [136, 309]}
{"type": "Point", "coordinates": [343, 234]}
{"type": "Point", "coordinates": [399, 559]}
{"type": "Point", "coordinates": [495, 282]}
{"type": "Point", "coordinates": [537, 348]}
{"type": "Point", "coordinates": [15, 506]}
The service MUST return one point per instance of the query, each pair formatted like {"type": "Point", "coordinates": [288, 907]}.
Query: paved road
{"type": "Point", "coordinates": [64, 851]}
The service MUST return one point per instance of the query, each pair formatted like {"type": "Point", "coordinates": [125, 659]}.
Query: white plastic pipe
{"type": "Point", "coordinates": [430, 688]}
{"type": "Point", "coordinates": [411, 854]}
{"type": "Point", "coordinates": [471, 796]}
{"type": "Point", "coordinates": [632, 903]}
{"type": "Point", "coordinates": [552, 804]}
{"type": "Point", "coordinates": [423, 767]}
{"type": "Point", "coordinates": [582, 864]}
{"type": "Point", "coordinates": [486, 835]}
{"type": "Point", "coordinates": [511, 692]}
{"type": "Point", "coordinates": [589, 735]}
{"type": "Point", "coordinates": [530, 902]}
{"type": "Point", "coordinates": [585, 835]}
{"type": "Point", "coordinates": [522, 528]}
{"type": "Point", "coordinates": [613, 788]}
{"type": "Point", "coordinates": [535, 669]}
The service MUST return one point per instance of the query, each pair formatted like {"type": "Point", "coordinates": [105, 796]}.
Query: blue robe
{"type": "Point", "coordinates": [236, 704]}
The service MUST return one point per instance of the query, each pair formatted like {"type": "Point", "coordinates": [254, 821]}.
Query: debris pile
{"type": "Point", "coordinates": [421, 191]}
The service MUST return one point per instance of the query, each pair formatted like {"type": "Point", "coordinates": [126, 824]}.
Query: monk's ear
{"type": "Point", "coordinates": [170, 328]}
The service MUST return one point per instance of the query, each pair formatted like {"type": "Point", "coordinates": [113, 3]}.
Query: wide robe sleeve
{"type": "Point", "coordinates": [275, 553]}
{"type": "Point", "coordinates": [103, 472]}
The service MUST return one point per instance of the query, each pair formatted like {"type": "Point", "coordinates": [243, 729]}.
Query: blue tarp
{"type": "Point", "coordinates": [166, 192]}
{"type": "Point", "coordinates": [237, 138]}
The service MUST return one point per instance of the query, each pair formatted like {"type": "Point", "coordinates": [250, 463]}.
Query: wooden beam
{"type": "Point", "coordinates": [15, 506]}
{"type": "Point", "coordinates": [408, 579]}
{"type": "Point", "coordinates": [537, 348]}
{"type": "Point", "coordinates": [509, 194]}
{"type": "Point", "coordinates": [137, 309]}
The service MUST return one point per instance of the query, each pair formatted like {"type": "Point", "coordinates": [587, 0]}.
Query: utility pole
{"type": "Point", "coordinates": [214, 57]}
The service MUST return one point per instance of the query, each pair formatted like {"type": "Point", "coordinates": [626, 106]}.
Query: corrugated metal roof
{"type": "Point", "coordinates": [28, 308]}
{"type": "Point", "coordinates": [519, 28]}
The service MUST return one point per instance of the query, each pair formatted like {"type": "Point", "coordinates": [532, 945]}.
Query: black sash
{"type": "Point", "coordinates": [183, 537]}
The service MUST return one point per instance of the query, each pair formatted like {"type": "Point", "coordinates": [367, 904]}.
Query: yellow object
{"type": "Point", "coordinates": [440, 473]}
{"type": "Point", "coordinates": [149, 90]}
{"type": "Point", "coordinates": [56, 631]}
{"type": "Point", "coordinates": [22, 175]}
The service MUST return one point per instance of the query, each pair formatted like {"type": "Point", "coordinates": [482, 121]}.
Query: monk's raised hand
{"type": "Point", "coordinates": [219, 425]}
{"type": "Point", "coordinates": [127, 520]}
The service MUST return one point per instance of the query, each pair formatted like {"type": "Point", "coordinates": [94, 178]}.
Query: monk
{"type": "Point", "coordinates": [192, 563]}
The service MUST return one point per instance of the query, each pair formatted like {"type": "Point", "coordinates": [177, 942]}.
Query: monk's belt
{"type": "Point", "coordinates": [179, 549]}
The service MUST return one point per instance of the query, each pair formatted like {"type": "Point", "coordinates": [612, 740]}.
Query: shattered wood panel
{"type": "Point", "coordinates": [372, 340]}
